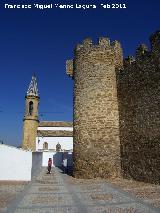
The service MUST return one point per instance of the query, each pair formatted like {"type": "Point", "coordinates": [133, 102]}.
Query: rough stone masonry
{"type": "Point", "coordinates": [116, 110]}
{"type": "Point", "coordinates": [138, 86]}
{"type": "Point", "coordinates": [96, 120]}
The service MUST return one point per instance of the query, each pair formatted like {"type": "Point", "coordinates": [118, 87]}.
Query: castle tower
{"type": "Point", "coordinates": [31, 116]}
{"type": "Point", "coordinates": [96, 151]}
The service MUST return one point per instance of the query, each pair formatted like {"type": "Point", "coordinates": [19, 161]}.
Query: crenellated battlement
{"type": "Point", "coordinates": [103, 42]}
{"type": "Point", "coordinates": [103, 51]}
{"type": "Point", "coordinates": [128, 61]}
{"type": "Point", "coordinates": [143, 55]}
{"type": "Point", "coordinates": [87, 42]}
{"type": "Point", "coordinates": [107, 51]}
{"type": "Point", "coordinates": [155, 40]}
{"type": "Point", "coordinates": [142, 51]}
{"type": "Point", "coordinates": [69, 68]}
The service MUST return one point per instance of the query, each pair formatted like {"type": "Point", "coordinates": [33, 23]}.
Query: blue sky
{"type": "Point", "coordinates": [41, 41]}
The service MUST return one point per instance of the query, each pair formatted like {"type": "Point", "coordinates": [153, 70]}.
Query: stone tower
{"type": "Point", "coordinates": [96, 118]}
{"type": "Point", "coordinates": [31, 116]}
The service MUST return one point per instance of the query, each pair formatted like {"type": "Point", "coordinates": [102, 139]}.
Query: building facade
{"type": "Point", "coordinates": [44, 136]}
{"type": "Point", "coordinates": [54, 136]}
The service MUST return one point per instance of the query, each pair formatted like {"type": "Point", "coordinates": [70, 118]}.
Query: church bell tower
{"type": "Point", "coordinates": [30, 120]}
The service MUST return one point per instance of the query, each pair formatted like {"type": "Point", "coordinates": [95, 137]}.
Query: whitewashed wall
{"type": "Point", "coordinates": [15, 164]}
{"type": "Point", "coordinates": [46, 156]}
{"type": "Point", "coordinates": [57, 158]}
{"type": "Point", "coordinates": [65, 142]}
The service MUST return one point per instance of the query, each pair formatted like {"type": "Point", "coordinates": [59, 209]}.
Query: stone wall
{"type": "Point", "coordinates": [96, 121]}
{"type": "Point", "coordinates": [30, 124]}
{"type": "Point", "coordinates": [116, 111]}
{"type": "Point", "coordinates": [139, 111]}
{"type": "Point", "coordinates": [29, 134]}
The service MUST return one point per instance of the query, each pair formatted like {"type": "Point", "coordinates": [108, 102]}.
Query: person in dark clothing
{"type": "Point", "coordinates": [49, 165]}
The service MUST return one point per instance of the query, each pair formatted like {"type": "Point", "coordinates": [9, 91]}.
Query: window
{"type": "Point", "coordinates": [45, 145]}
{"type": "Point", "coordinates": [30, 108]}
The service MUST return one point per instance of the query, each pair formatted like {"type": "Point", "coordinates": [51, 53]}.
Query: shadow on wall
{"type": "Point", "coordinates": [58, 160]}
{"type": "Point", "coordinates": [139, 102]}
{"type": "Point", "coordinates": [36, 163]}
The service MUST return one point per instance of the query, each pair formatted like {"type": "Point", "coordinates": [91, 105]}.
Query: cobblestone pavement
{"type": "Point", "coordinates": [60, 193]}
{"type": "Point", "coordinates": [8, 192]}
{"type": "Point", "coordinates": [150, 193]}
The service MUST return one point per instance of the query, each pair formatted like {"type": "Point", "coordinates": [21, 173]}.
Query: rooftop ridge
{"type": "Point", "coordinates": [55, 124]}
{"type": "Point", "coordinates": [57, 121]}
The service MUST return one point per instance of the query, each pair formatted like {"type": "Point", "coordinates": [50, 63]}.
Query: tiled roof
{"type": "Point", "coordinates": [55, 124]}
{"type": "Point", "coordinates": [57, 133]}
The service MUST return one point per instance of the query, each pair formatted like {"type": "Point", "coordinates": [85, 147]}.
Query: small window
{"type": "Point", "coordinates": [30, 108]}
{"type": "Point", "coordinates": [58, 147]}
{"type": "Point", "coordinates": [45, 146]}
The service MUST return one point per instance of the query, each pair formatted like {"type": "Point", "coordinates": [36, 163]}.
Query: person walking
{"type": "Point", "coordinates": [49, 165]}
{"type": "Point", "coordinates": [65, 165]}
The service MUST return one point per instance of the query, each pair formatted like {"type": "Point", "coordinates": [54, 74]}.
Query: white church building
{"type": "Point", "coordinates": [54, 136]}
{"type": "Point", "coordinates": [41, 140]}
{"type": "Point", "coordinates": [49, 137]}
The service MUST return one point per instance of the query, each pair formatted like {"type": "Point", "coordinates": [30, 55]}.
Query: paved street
{"type": "Point", "coordinates": [60, 193]}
